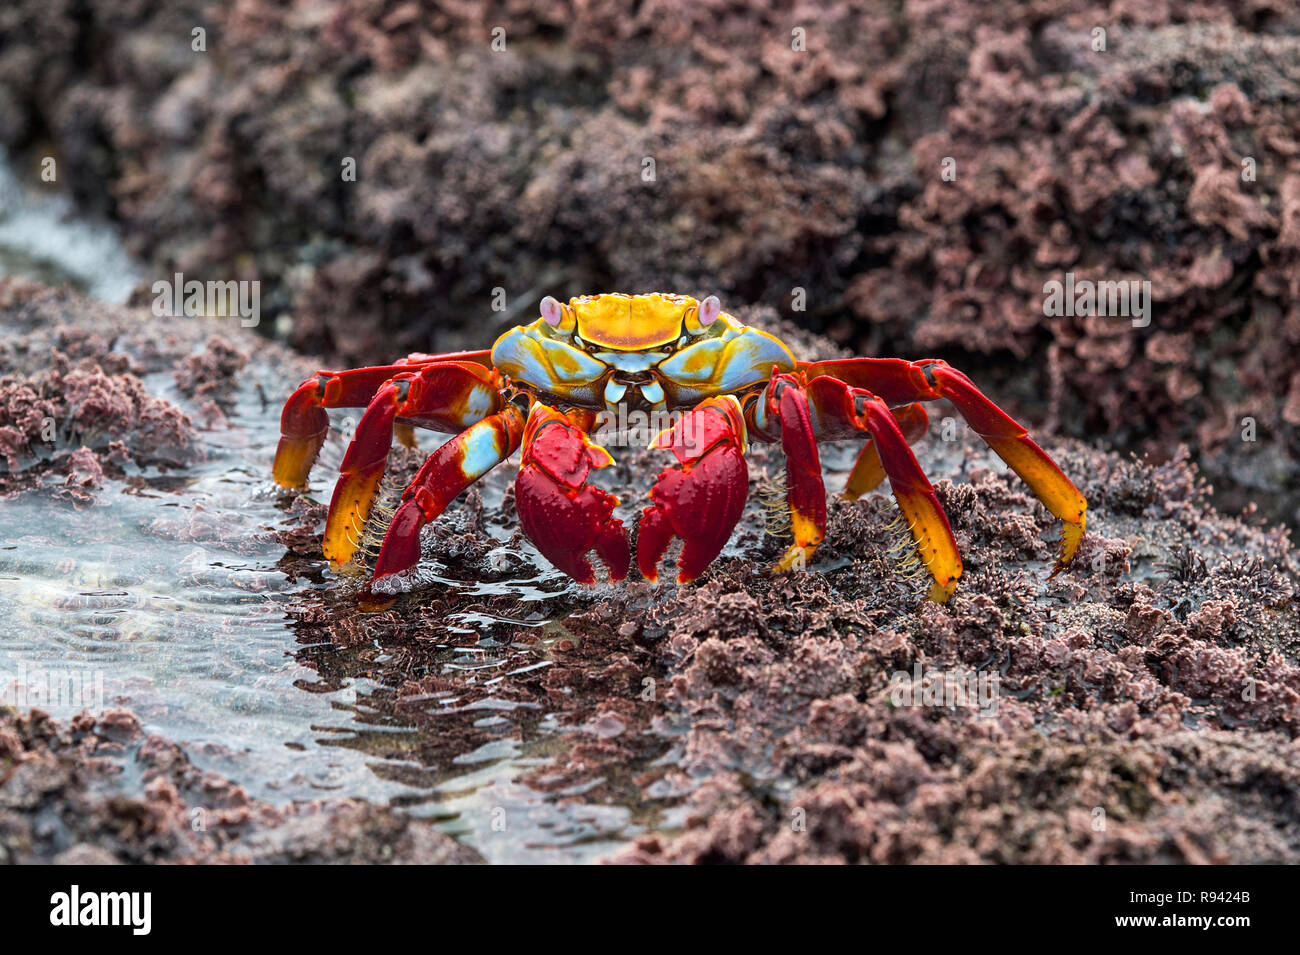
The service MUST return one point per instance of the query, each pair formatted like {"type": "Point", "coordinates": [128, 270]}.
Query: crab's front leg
{"type": "Point", "coordinates": [304, 422]}
{"type": "Point", "coordinates": [568, 520]}
{"type": "Point", "coordinates": [448, 471]}
{"type": "Point", "coordinates": [787, 403]}
{"type": "Point", "coordinates": [699, 500]}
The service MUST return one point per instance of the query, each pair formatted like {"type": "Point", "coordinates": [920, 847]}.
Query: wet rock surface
{"type": "Point", "coordinates": [1142, 706]}
{"type": "Point", "coordinates": [101, 791]}
{"type": "Point", "coordinates": [1166, 154]}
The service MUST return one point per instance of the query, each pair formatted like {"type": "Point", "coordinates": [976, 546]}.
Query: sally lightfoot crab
{"type": "Point", "coordinates": [721, 384]}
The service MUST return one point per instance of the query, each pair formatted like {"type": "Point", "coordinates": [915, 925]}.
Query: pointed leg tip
{"type": "Point", "coordinates": [1071, 540]}
{"type": "Point", "coordinates": [796, 557]}
{"type": "Point", "coordinates": [294, 458]}
{"type": "Point", "coordinates": [942, 593]}
{"type": "Point", "coordinates": [288, 480]}
{"type": "Point", "coordinates": [685, 577]}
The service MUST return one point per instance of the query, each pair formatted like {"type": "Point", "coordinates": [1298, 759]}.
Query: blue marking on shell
{"type": "Point", "coordinates": [587, 368]}
{"type": "Point", "coordinates": [516, 354]}
{"type": "Point", "coordinates": [674, 367]}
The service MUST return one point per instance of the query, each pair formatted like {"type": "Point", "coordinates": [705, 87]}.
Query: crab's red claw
{"type": "Point", "coordinates": [448, 471]}
{"type": "Point", "coordinates": [567, 520]}
{"type": "Point", "coordinates": [699, 500]}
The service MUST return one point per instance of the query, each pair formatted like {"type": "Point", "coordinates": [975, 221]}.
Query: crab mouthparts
{"type": "Point", "coordinates": [634, 390]}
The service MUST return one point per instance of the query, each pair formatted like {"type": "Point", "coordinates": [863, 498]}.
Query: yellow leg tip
{"type": "Point", "coordinates": [1071, 541]}
{"type": "Point", "coordinates": [942, 593]}
{"type": "Point", "coordinates": [293, 460]}
{"type": "Point", "coordinates": [796, 557]}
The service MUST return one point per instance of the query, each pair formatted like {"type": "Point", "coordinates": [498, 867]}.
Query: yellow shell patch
{"type": "Point", "coordinates": [631, 322]}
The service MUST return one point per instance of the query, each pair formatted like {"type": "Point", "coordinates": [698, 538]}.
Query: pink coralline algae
{"type": "Point", "coordinates": [75, 413]}
{"type": "Point", "coordinates": [62, 800]}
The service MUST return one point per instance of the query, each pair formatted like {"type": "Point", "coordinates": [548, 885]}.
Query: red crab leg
{"type": "Point", "coordinates": [899, 382]}
{"type": "Point", "coordinates": [304, 422]}
{"type": "Point", "coordinates": [835, 411]}
{"type": "Point", "coordinates": [868, 471]}
{"type": "Point", "coordinates": [443, 396]}
{"type": "Point", "coordinates": [926, 521]}
{"type": "Point", "coordinates": [445, 473]}
{"type": "Point", "coordinates": [805, 491]}
{"type": "Point", "coordinates": [565, 518]}
{"type": "Point", "coordinates": [700, 499]}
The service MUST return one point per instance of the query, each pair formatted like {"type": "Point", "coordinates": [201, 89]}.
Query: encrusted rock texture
{"type": "Point", "coordinates": [1170, 156]}
{"type": "Point", "coordinates": [100, 791]}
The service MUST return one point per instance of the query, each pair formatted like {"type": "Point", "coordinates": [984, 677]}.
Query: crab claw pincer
{"type": "Point", "coordinates": [567, 520]}
{"type": "Point", "coordinates": [700, 499]}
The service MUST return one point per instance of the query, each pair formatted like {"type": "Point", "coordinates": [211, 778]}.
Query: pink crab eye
{"type": "Point", "coordinates": [710, 309]}
{"type": "Point", "coordinates": [552, 311]}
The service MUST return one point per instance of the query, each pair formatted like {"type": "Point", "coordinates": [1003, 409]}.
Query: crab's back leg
{"type": "Point", "coordinates": [805, 490]}
{"type": "Point", "coordinates": [899, 382]}
{"type": "Point", "coordinates": [868, 471]}
{"type": "Point", "coordinates": [568, 520]}
{"type": "Point", "coordinates": [445, 473]}
{"type": "Point", "coordinates": [304, 422]}
{"type": "Point", "coordinates": [442, 396]}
